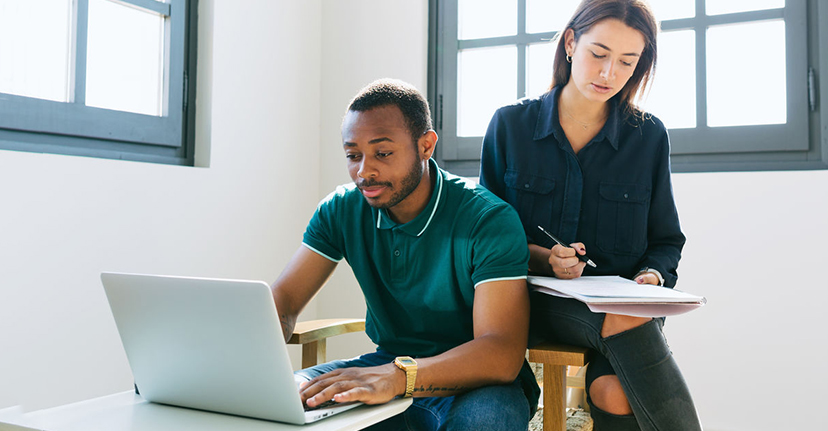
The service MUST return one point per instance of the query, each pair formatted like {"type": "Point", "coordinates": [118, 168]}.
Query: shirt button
{"type": "Point", "coordinates": [397, 253]}
{"type": "Point", "coordinates": [626, 196]}
{"type": "Point", "coordinates": [526, 186]}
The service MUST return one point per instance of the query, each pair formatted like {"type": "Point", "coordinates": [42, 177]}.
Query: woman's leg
{"type": "Point", "coordinates": [655, 388]}
{"type": "Point", "coordinates": [645, 368]}
{"type": "Point", "coordinates": [603, 385]}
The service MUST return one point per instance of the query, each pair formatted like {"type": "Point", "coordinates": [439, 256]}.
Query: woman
{"type": "Point", "coordinates": [585, 164]}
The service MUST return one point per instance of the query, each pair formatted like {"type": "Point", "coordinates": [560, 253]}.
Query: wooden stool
{"type": "Point", "coordinates": [555, 358]}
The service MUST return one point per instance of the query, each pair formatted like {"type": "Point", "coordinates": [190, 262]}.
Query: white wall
{"type": "Point", "coordinates": [755, 355]}
{"type": "Point", "coordinates": [273, 73]}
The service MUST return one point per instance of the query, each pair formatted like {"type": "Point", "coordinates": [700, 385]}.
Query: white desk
{"type": "Point", "coordinates": [126, 411]}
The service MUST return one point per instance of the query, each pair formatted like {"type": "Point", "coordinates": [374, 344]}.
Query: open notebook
{"type": "Point", "coordinates": [617, 295]}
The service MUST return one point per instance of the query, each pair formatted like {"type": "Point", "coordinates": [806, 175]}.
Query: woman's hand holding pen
{"type": "Point", "coordinates": [564, 260]}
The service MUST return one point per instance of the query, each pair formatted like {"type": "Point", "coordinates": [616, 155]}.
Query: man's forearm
{"type": "Point", "coordinates": [495, 355]}
{"type": "Point", "coordinates": [288, 323]}
{"type": "Point", "coordinates": [487, 360]}
{"type": "Point", "coordinates": [288, 315]}
{"type": "Point", "coordinates": [301, 279]}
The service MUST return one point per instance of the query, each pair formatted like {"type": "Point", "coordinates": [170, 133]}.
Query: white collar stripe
{"type": "Point", "coordinates": [437, 202]}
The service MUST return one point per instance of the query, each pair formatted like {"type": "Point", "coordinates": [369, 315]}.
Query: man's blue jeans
{"type": "Point", "coordinates": [489, 408]}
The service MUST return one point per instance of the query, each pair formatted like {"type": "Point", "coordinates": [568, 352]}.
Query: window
{"type": "Point", "coordinates": [103, 78]}
{"type": "Point", "coordinates": [736, 80]}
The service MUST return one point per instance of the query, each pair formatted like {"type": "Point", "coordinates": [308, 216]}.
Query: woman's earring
{"type": "Point", "coordinates": [568, 58]}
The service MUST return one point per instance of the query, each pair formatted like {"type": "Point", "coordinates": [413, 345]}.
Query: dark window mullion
{"type": "Point", "coordinates": [448, 89]}
{"type": "Point", "coordinates": [796, 75]}
{"type": "Point", "coordinates": [521, 70]}
{"type": "Point", "coordinates": [505, 40]}
{"type": "Point", "coordinates": [79, 45]}
{"type": "Point", "coordinates": [174, 51]}
{"type": "Point", "coordinates": [72, 119]}
{"type": "Point", "coordinates": [701, 67]}
{"type": "Point", "coordinates": [701, 20]}
{"type": "Point", "coordinates": [147, 6]}
{"type": "Point", "coordinates": [167, 43]}
{"type": "Point", "coordinates": [740, 17]}
{"type": "Point", "coordinates": [521, 50]}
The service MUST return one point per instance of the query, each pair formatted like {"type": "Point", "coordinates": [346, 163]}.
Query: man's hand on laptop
{"type": "Point", "coordinates": [370, 385]}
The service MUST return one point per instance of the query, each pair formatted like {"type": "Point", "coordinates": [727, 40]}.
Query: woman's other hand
{"type": "Point", "coordinates": [647, 278]}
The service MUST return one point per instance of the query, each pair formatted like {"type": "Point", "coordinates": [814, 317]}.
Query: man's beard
{"type": "Point", "coordinates": [408, 184]}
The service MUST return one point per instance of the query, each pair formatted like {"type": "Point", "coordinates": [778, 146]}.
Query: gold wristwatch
{"type": "Point", "coordinates": [409, 366]}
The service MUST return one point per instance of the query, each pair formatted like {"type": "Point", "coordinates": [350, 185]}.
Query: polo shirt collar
{"type": "Point", "coordinates": [548, 123]}
{"type": "Point", "coordinates": [423, 220]}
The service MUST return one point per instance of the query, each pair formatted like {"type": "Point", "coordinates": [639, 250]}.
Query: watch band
{"type": "Point", "coordinates": [409, 366]}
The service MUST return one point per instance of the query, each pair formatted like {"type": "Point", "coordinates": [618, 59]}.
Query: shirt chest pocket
{"type": "Point", "coordinates": [531, 195]}
{"type": "Point", "coordinates": [622, 218]}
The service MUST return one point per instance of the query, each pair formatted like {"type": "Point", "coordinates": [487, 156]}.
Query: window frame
{"type": "Point", "coordinates": [797, 145]}
{"type": "Point", "coordinates": [72, 128]}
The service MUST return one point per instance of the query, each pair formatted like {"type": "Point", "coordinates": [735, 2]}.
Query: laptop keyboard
{"type": "Point", "coordinates": [320, 406]}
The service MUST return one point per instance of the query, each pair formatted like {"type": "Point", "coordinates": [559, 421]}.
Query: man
{"type": "Point", "coordinates": [442, 264]}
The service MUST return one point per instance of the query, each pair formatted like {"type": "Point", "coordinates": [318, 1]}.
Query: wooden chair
{"type": "Point", "coordinates": [555, 358]}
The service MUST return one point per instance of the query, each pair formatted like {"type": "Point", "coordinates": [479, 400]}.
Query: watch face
{"type": "Point", "coordinates": [406, 362]}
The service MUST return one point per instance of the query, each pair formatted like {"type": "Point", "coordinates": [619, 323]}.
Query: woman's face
{"type": "Point", "coordinates": [604, 58]}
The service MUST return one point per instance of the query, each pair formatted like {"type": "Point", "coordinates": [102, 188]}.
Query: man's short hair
{"type": "Point", "coordinates": [385, 92]}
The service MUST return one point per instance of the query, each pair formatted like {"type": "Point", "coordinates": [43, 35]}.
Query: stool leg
{"type": "Point", "coordinates": [554, 397]}
{"type": "Point", "coordinates": [314, 353]}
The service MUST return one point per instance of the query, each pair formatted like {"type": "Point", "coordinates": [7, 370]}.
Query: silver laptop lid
{"type": "Point", "coordinates": [208, 344]}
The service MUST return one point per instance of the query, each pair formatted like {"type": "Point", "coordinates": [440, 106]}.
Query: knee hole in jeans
{"type": "Point", "coordinates": [608, 395]}
{"type": "Point", "coordinates": [615, 324]}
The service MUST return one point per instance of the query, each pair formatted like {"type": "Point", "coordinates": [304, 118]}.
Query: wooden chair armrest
{"type": "Point", "coordinates": [315, 330]}
{"type": "Point", "coordinates": [312, 335]}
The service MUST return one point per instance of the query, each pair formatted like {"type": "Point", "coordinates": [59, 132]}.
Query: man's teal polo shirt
{"type": "Point", "coordinates": [419, 278]}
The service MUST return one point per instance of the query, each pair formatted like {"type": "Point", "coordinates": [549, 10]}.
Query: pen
{"type": "Point", "coordinates": [582, 257]}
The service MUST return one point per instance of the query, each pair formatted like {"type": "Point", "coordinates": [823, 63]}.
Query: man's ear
{"type": "Point", "coordinates": [426, 144]}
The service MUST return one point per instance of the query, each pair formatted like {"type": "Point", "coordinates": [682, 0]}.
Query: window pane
{"type": "Point", "coordinates": [672, 97]}
{"type": "Point", "coordinates": [487, 80]}
{"type": "Point", "coordinates": [548, 15]}
{"type": "Point", "coordinates": [539, 61]}
{"type": "Point", "coordinates": [486, 18]}
{"type": "Point", "coordinates": [674, 9]}
{"type": "Point", "coordinates": [124, 58]}
{"type": "Point", "coordinates": [34, 48]}
{"type": "Point", "coordinates": [719, 7]}
{"type": "Point", "coordinates": [745, 82]}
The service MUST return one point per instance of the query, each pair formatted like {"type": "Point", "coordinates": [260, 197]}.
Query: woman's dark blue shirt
{"type": "Point", "coordinates": [615, 195]}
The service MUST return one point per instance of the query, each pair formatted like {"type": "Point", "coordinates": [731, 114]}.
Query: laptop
{"type": "Point", "coordinates": [208, 344]}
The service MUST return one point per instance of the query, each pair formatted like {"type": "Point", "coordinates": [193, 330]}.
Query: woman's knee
{"type": "Point", "coordinates": [617, 323]}
{"type": "Point", "coordinates": [608, 395]}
